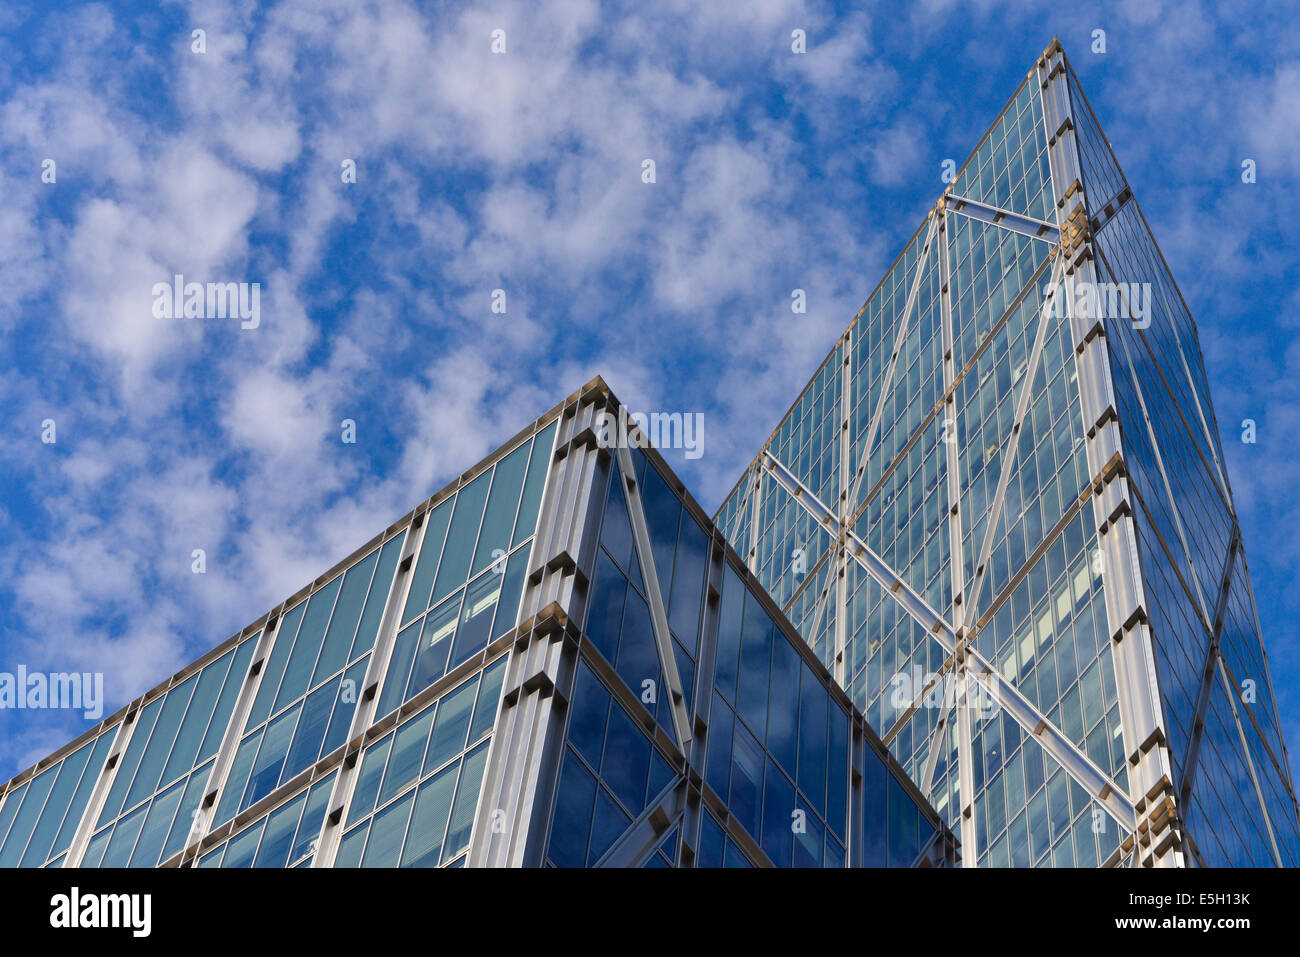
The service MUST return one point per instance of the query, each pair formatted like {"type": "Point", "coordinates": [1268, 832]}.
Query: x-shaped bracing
{"type": "Point", "coordinates": [1071, 759]}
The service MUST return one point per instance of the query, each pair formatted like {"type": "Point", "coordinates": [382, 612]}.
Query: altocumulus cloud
{"type": "Point", "coordinates": [522, 172]}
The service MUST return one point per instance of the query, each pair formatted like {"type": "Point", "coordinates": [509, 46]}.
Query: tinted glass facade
{"type": "Point", "coordinates": [999, 516]}
{"type": "Point", "coordinates": [357, 723]}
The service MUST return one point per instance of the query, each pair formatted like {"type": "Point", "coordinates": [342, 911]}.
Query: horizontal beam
{"type": "Point", "coordinates": [997, 216]}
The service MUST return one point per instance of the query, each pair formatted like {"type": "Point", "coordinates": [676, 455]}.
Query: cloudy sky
{"type": "Point", "coordinates": [522, 171]}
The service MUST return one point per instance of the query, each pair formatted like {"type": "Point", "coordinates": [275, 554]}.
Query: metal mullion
{"type": "Point", "coordinates": [755, 529]}
{"type": "Point", "coordinates": [952, 461]}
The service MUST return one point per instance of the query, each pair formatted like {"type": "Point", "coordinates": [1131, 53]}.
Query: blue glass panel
{"type": "Point", "coordinates": [512, 586]}
{"type": "Point", "coordinates": [77, 807]}
{"type": "Point", "coordinates": [200, 714]}
{"type": "Point", "coordinates": [574, 798]}
{"type": "Point", "coordinates": [587, 719]}
{"type": "Point", "coordinates": [778, 808]}
{"type": "Point", "coordinates": [729, 628]}
{"type": "Point", "coordinates": [638, 661]}
{"type": "Point", "coordinates": [273, 667]}
{"type": "Point", "coordinates": [70, 772]}
{"type": "Point", "coordinates": [157, 825]}
{"type": "Point", "coordinates": [270, 757]}
{"type": "Point", "coordinates": [477, 611]}
{"type": "Point", "coordinates": [461, 537]}
{"type": "Point", "coordinates": [122, 843]}
{"type": "Point", "coordinates": [605, 613]}
{"type": "Point", "coordinates": [429, 819]}
{"type": "Point", "coordinates": [808, 837]}
{"type": "Point", "coordinates": [451, 725]}
{"type": "Point", "coordinates": [345, 705]}
{"type": "Point", "coordinates": [488, 699]}
{"type": "Point", "coordinates": [626, 760]}
{"type": "Point", "coordinates": [281, 824]}
{"type": "Point", "coordinates": [307, 645]}
{"type": "Point", "coordinates": [712, 843]}
{"type": "Point", "coordinates": [814, 700]}
{"type": "Point", "coordinates": [837, 764]}
{"type": "Point", "coordinates": [160, 741]}
{"type": "Point", "coordinates": [462, 812]}
{"type": "Point", "coordinates": [386, 834]}
{"type": "Point", "coordinates": [184, 820]}
{"type": "Point", "coordinates": [608, 822]}
{"type": "Point", "coordinates": [129, 761]}
{"type": "Point", "coordinates": [241, 848]}
{"type": "Point", "coordinates": [310, 733]}
{"type": "Point", "coordinates": [783, 703]}
{"type": "Point", "coordinates": [616, 530]}
{"type": "Point", "coordinates": [687, 594]}
{"type": "Point", "coordinates": [399, 668]}
{"type": "Point", "coordinates": [755, 667]}
{"type": "Point", "coordinates": [347, 615]}
{"type": "Point", "coordinates": [350, 848]}
{"type": "Point", "coordinates": [435, 532]}
{"type": "Point", "coordinates": [746, 780]}
{"type": "Point", "coordinates": [377, 598]}
{"type": "Point", "coordinates": [407, 755]}
{"type": "Point", "coordinates": [435, 642]}
{"type": "Point", "coordinates": [503, 501]}
{"type": "Point", "coordinates": [717, 769]}
{"type": "Point", "coordinates": [538, 465]}
{"type": "Point", "coordinates": [367, 786]}
{"type": "Point", "coordinates": [237, 778]}
{"type": "Point", "coordinates": [313, 816]}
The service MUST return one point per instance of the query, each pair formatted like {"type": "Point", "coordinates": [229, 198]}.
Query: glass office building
{"type": "Point", "coordinates": [999, 514]}
{"type": "Point", "coordinates": [555, 661]}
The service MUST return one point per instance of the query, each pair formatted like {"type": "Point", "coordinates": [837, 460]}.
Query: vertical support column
{"type": "Point", "coordinates": [847, 507]}
{"type": "Point", "coordinates": [1157, 841]}
{"type": "Point", "coordinates": [230, 738]}
{"type": "Point", "coordinates": [86, 826]}
{"type": "Point", "coordinates": [702, 696]}
{"type": "Point", "coordinates": [368, 701]}
{"type": "Point", "coordinates": [952, 458]}
{"type": "Point", "coordinates": [524, 757]}
{"type": "Point", "coordinates": [755, 513]}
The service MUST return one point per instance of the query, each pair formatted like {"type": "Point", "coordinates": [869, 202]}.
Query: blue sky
{"type": "Point", "coordinates": [522, 172]}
